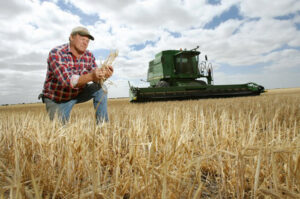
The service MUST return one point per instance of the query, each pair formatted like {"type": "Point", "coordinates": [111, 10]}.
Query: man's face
{"type": "Point", "coordinates": [80, 43]}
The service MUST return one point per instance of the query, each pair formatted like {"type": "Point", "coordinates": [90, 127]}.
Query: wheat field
{"type": "Point", "coordinates": [246, 147]}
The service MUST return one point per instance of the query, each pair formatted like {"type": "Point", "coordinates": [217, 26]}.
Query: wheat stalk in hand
{"type": "Point", "coordinates": [108, 62]}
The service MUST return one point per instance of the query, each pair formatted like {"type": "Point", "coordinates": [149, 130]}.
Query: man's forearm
{"type": "Point", "coordinates": [84, 79]}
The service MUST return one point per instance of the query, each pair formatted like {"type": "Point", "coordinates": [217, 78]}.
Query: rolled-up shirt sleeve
{"type": "Point", "coordinates": [74, 80]}
{"type": "Point", "coordinates": [58, 65]}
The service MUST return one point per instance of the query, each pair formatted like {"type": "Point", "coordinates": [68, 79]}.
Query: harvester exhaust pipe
{"type": "Point", "coordinates": [194, 49]}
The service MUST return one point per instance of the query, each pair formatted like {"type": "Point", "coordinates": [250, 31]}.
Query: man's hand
{"type": "Point", "coordinates": [98, 74]}
{"type": "Point", "coordinates": [109, 70]}
{"type": "Point", "coordinates": [102, 73]}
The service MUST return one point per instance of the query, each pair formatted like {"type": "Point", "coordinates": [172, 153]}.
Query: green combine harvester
{"type": "Point", "coordinates": [175, 75]}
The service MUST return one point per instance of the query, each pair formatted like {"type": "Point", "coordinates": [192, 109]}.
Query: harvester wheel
{"type": "Point", "coordinates": [162, 84]}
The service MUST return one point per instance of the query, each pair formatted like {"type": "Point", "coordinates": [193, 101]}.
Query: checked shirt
{"type": "Point", "coordinates": [63, 73]}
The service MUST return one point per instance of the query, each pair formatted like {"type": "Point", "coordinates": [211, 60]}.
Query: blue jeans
{"type": "Point", "coordinates": [63, 109]}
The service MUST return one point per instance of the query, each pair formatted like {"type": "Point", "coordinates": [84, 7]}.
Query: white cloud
{"type": "Point", "coordinates": [10, 8]}
{"type": "Point", "coordinates": [283, 60]}
{"type": "Point", "coordinates": [20, 87]}
{"type": "Point", "coordinates": [267, 9]}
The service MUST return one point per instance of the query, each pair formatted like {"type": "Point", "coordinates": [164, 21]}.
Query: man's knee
{"type": "Point", "coordinates": [94, 87]}
{"type": "Point", "coordinates": [100, 94]}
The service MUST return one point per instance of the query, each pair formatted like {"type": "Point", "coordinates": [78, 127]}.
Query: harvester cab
{"type": "Point", "coordinates": [178, 68]}
{"type": "Point", "coordinates": [176, 74]}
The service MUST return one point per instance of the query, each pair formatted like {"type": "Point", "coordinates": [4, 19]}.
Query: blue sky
{"type": "Point", "coordinates": [231, 13]}
{"type": "Point", "coordinates": [245, 40]}
{"type": "Point", "coordinates": [85, 19]}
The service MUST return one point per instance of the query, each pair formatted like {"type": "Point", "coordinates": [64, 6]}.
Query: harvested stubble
{"type": "Point", "coordinates": [216, 148]}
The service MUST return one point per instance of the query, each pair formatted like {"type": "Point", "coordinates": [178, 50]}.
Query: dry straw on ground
{"type": "Point", "coordinates": [215, 148]}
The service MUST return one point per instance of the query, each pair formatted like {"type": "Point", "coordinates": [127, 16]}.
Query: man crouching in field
{"type": "Point", "coordinates": [70, 67]}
